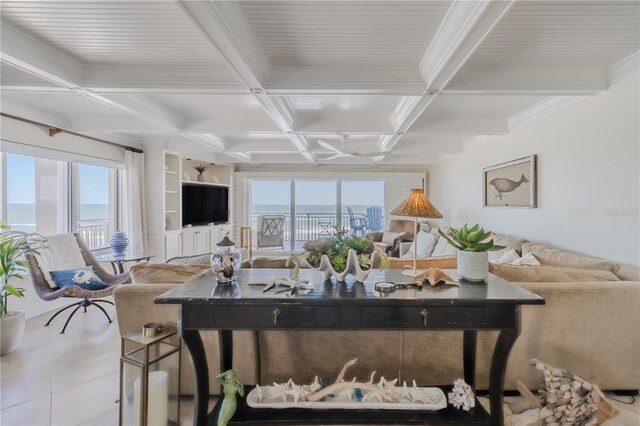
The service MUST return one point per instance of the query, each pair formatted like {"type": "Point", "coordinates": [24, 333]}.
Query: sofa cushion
{"type": "Point", "coordinates": [510, 243]}
{"type": "Point", "coordinates": [443, 248]}
{"type": "Point", "coordinates": [531, 274]}
{"type": "Point", "coordinates": [401, 226]}
{"type": "Point", "coordinates": [555, 257]}
{"type": "Point", "coordinates": [388, 236]}
{"type": "Point", "coordinates": [426, 243]}
{"type": "Point", "coordinates": [164, 273]}
{"type": "Point", "coordinates": [60, 252]}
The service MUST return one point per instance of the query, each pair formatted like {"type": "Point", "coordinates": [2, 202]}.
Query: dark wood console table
{"type": "Point", "coordinates": [494, 305]}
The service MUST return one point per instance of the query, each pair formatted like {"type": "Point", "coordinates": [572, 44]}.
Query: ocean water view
{"type": "Point", "coordinates": [22, 216]}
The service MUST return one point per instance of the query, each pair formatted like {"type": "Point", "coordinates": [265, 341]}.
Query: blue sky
{"type": "Point", "coordinates": [318, 192]}
{"type": "Point", "coordinates": [21, 184]}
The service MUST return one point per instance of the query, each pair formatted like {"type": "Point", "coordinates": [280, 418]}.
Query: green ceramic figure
{"type": "Point", "coordinates": [230, 385]}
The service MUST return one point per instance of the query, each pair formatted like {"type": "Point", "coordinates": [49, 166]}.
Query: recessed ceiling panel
{"type": "Point", "coordinates": [543, 35]}
{"type": "Point", "coordinates": [116, 32]}
{"type": "Point", "coordinates": [472, 114]}
{"type": "Point", "coordinates": [344, 33]}
{"type": "Point", "coordinates": [346, 113]}
{"type": "Point", "coordinates": [11, 76]}
{"type": "Point", "coordinates": [218, 113]}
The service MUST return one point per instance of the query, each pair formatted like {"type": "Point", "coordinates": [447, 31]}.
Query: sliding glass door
{"type": "Point", "coordinates": [316, 210]}
{"type": "Point", "coordinates": [286, 213]}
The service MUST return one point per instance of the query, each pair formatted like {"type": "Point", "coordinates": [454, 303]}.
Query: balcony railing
{"type": "Point", "coordinates": [308, 226]}
{"type": "Point", "coordinates": [95, 233]}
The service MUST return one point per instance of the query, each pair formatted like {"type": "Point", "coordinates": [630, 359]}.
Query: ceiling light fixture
{"type": "Point", "coordinates": [432, 92]}
{"type": "Point", "coordinates": [257, 91]}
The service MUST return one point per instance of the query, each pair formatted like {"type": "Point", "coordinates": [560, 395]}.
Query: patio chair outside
{"type": "Point", "coordinates": [357, 223]}
{"type": "Point", "coordinates": [270, 231]}
{"type": "Point", "coordinates": [374, 218]}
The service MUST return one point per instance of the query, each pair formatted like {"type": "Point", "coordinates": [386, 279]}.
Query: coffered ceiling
{"type": "Point", "coordinates": [261, 82]}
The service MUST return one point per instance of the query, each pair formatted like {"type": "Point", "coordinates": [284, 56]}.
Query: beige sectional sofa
{"type": "Point", "coordinates": [589, 325]}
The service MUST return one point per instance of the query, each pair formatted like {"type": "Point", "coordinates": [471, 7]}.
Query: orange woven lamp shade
{"type": "Point", "coordinates": [416, 205]}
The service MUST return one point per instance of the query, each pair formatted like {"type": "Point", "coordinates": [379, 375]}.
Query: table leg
{"type": "Point", "coordinates": [225, 343]}
{"type": "Point", "coordinates": [505, 342]}
{"type": "Point", "coordinates": [470, 339]}
{"type": "Point", "coordinates": [121, 267]}
{"type": "Point", "coordinates": [113, 266]}
{"type": "Point", "coordinates": [193, 342]}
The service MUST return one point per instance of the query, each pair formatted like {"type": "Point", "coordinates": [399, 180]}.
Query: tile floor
{"type": "Point", "coordinates": [72, 379]}
{"type": "Point", "coordinates": [68, 379]}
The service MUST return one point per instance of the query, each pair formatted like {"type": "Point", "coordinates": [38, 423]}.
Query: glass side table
{"type": "Point", "coordinates": [150, 377]}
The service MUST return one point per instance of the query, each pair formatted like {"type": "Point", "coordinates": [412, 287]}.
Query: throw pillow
{"type": "Point", "coordinates": [388, 236]}
{"type": "Point", "coordinates": [526, 260]}
{"type": "Point", "coordinates": [510, 243]}
{"type": "Point", "coordinates": [507, 257]}
{"type": "Point", "coordinates": [551, 274]}
{"type": "Point", "coordinates": [85, 278]}
{"type": "Point", "coordinates": [426, 243]}
{"type": "Point", "coordinates": [443, 248]}
{"type": "Point", "coordinates": [555, 257]}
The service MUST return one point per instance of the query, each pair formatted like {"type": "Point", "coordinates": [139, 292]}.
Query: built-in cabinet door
{"type": "Point", "coordinates": [188, 242]}
{"type": "Point", "coordinates": [201, 241]}
{"type": "Point", "coordinates": [172, 245]}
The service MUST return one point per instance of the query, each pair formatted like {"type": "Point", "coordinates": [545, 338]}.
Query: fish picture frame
{"type": "Point", "coordinates": [511, 184]}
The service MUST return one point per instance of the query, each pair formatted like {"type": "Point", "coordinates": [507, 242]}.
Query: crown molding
{"type": "Point", "coordinates": [473, 141]}
{"type": "Point", "coordinates": [624, 70]}
{"type": "Point", "coordinates": [542, 109]}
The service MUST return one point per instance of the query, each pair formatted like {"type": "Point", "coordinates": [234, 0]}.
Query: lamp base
{"type": "Point", "coordinates": [413, 273]}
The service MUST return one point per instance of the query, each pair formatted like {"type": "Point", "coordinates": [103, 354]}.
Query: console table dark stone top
{"type": "Point", "coordinates": [469, 307]}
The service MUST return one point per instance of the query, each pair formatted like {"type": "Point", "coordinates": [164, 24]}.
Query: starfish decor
{"type": "Point", "coordinates": [435, 276]}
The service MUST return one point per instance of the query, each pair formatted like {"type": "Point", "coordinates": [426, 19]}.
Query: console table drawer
{"type": "Point", "coordinates": [264, 316]}
{"type": "Point", "coordinates": [425, 316]}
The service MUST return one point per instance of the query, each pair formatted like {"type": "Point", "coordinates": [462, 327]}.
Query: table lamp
{"type": "Point", "coordinates": [416, 205]}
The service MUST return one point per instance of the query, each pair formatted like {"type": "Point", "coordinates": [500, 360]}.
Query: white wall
{"type": "Point", "coordinates": [588, 178]}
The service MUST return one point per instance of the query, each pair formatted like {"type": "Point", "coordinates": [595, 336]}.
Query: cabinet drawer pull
{"type": "Point", "coordinates": [424, 314]}
{"type": "Point", "coordinates": [276, 314]}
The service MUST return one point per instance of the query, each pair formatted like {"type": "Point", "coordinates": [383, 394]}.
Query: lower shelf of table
{"type": "Point", "coordinates": [246, 415]}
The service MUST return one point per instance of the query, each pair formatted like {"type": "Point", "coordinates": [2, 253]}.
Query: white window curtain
{"type": "Point", "coordinates": [135, 206]}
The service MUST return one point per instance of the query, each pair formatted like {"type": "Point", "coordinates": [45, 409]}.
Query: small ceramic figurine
{"type": "Point", "coordinates": [230, 386]}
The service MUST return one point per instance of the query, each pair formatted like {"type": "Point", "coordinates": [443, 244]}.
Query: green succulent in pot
{"type": "Point", "coordinates": [473, 248]}
{"type": "Point", "coordinates": [471, 239]}
{"type": "Point", "coordinates": [14, 245]}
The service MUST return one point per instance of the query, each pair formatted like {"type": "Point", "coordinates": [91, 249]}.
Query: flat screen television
{"type": "Point", "coordinates": [204, 204]}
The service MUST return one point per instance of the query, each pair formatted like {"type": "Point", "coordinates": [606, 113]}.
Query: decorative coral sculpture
{"type": "Point", "coordinates": [461, 396]}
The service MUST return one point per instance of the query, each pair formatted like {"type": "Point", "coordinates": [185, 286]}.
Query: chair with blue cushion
{"type": "Point", "coordinates": [357, 223]}
{"type": "Point", "coordinates": [65, 267]}
{"type": "Point", "coordinates": [374, 218]}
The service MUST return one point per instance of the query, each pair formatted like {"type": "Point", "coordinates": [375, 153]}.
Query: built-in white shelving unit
{"type": "Point", "coordinates": [164, 205]}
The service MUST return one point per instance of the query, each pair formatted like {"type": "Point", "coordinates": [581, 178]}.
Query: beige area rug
{"type": "Point", "coordinates": [629, 413]}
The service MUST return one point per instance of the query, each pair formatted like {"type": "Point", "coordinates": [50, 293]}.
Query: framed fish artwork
{"type": "Point", "coordinates": [511, 184]}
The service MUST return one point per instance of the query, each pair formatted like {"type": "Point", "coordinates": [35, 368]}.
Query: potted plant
{"type": "Point", "coordinates": [473, 248]}
{"type": "Point", "coordinates": [200, 168]}
{"type": "Point", "coordinates": [13, 246]}
{"type": "Point", "coordinates": [341, 255]}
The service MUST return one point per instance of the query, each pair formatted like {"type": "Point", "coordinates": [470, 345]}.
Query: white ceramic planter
{"type": "Point", "coordinates": [353, 268]}
{"type": "Point", "coordinates": [11, 331]}
{"type": "Point", "coordinates": [473, 266]}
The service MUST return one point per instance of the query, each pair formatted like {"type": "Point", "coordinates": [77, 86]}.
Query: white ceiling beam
{"type": "Point", "coordinates": [226, 27]}
{"type": "Point", "coordinates": [21, 51]}
{"type": "Point", "coordinates": [624, 70]}
{"type": "Point", "coordinates": [18, 108]}
{"type": "Point", "coordinates": [216, 144]}
{"type": "Point", "coordinates": [461, 32]}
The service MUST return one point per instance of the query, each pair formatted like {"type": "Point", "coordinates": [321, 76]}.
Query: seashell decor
{"type": "Point", "coordinates": [353, 267]}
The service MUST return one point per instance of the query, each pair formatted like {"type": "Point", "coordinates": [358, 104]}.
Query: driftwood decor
{"type": "Point", "coordinates": [344, 394]}
{"type": "Point", "coordinates": [571, 400]}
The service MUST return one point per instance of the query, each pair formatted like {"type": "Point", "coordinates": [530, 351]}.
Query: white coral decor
{"type": "Point", "coordinates": [461, 396]}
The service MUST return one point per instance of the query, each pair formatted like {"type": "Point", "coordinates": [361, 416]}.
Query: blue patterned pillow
{"type": "Point", "coordinates": [85, 278]}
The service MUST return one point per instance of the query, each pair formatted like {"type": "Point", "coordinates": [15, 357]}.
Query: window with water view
{"type": "Point", "coordinates": [52, 197]}
{"type": "Point", "coordinates": [317, 208]}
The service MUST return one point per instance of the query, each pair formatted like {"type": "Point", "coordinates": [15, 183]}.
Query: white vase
{"type": "Point", "coordinates": [473, 266]}
{"type": "Point", "coordinates": [11, 331]}
{"type": "Point", "coordinates": [353, 268]}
